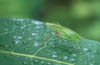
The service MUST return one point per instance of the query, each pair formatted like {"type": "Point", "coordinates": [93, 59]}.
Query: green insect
{"type": "Point", "coordinates": [64, 32]}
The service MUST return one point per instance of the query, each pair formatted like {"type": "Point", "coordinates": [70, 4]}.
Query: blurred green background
{"type": "Point", "coordinates": [82, 16]}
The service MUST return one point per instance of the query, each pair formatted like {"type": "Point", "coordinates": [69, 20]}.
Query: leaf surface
{"type": "Point", "coordinates": [30, 42]}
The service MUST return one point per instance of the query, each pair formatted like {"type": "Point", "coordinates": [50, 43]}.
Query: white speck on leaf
{"type": "Point", "coordinates": [36, 44]}
{"type": "Point", "coordinates": [36, 60]}
{"type": "Point", "coordinates": [18, 37]}
{"type": "Point", "coordinates": [17, 41]}
{"type": "Point", "coordinates": [54, 56]}
{"type": "Point", "coordinates": [37, 22]}
{"type": "Point", "coordinates": [74, 55]}
{"type": "Point", "coordinates": [42, 61]}
{"type": "Point", "coordinates": [29, 38]}
{"type": "Point", "coordinates": [34, 34]}
{"type": "Point", "coordinates": [20, 19]}
{"type": "Point", "coordinates": [65, 57]}
{"type": "Point", "coordinates": [91, 64]}
{"type": "Point", "coordinates": [85, 49]}
{"type": "Point", "coordinates": [72, 59]}
{"type": "Point", "coordinates": [23, 26]}
{"type": "Point", "coordinates": [49, 63]}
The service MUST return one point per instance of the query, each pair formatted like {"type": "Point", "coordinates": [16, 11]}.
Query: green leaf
{"type": "Point", "coordinates": [30, 42]}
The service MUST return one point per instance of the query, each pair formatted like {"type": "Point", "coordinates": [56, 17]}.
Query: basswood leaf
{"type": "Point", "coordinates": [30, 42]}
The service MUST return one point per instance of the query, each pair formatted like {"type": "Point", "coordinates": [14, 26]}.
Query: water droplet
{"type": "Point", "coordinates": [34, 34]}
{"type": "Point", "coordinates": [36, 44]}
{"type": "Point", "coordinates": [18, 37]}
{"type": "Point", "coordinates": [72, 59]}
{"type": "Point", "coordinates": [74, 55]}
{"type": "Point", "coordinates": [65, 40]}
{"type": "Point", "coordinates": [36, 60]}
{"type": "Point", "coordinates": [49, 63]}
{"type": "Point", "coordinates": [54, 56]}
{"type": "Point", "coordinates": [29, 38]}
{"type": "Point", "coordinates": [21, 20]}
{"type": "Point", "coordinates": [53, 33]}
{"type": "Point", "coordinates": [42, 62]}
{"type": "Point", "coordinates": [17, 41]}
{"type": "Point", "coordinates": [23, 26]}
{"type": "Point", "coordinates": [14, 36]}
{"type": "Point", "coordinates": [65, 57]}
{"type": "Point", "coordinates": [91, 64]}
{"type": "Point", "coordinates": [37, 22]}
{"type": "Point", "coordinates": [85, 49]}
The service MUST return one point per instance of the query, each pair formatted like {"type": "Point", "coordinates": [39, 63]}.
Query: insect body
{"type": "Point", "coordinates": [64, 32]}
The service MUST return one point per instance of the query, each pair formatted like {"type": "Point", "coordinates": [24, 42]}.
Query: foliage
{"type": "Point", "coordinates": [30, 42]}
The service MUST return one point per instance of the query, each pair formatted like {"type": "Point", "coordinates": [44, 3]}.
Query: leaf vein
{"type": "Point", "coordinates": [33, 56]}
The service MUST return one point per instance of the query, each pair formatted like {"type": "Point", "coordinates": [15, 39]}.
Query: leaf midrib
{"type": "Point", "coordinates": [33, 56]}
